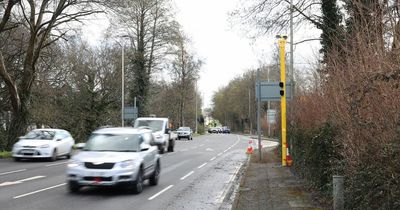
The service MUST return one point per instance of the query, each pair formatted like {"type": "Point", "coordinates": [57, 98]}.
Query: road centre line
{"type": "Point", "coordinates": [55, 164]}
{"type": "Point", "coordinates": [187, 175]}
{"type": "Point", "coordinates": [201, 166]}
{"type": "Point", "coordinates": [213, 158]}
{"type": "Point", "coordinates": [41, 190]}
{"type": "Point", "coordinates": [159, 193]}
{"type": "Point", "coordinates": [11, 172]}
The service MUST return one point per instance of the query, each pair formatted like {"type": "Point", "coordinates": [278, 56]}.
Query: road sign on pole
{"type": "Point", "coordinates": [270, 91]}
{"type": "Point", "coordinates": [271, 116]}
{"type": "Point", "coordinates": [130, 113]}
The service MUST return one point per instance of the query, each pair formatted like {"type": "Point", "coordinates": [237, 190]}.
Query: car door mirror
{"type": "Point", "coordinates": [80, 146]}
{"type": "Point", "coordinates": [144, 147]}
{"type": "Point", "coordinates": [167, 131]}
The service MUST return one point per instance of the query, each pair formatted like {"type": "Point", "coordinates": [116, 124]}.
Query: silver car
{"type": "Point", "coordinates": [185, 132]}
{"type": "Point", "coordinates": [115, 157]}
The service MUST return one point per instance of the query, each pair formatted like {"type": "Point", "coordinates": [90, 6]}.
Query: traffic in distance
{"type": "Point", "coordinates": [120, 157]}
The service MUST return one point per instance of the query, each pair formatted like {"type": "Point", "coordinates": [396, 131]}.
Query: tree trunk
{"type": "Point", "coordinates": [17, 127]}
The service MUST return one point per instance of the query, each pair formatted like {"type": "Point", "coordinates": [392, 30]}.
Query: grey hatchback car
{"type": "Point", "coordinates": [115, 157]}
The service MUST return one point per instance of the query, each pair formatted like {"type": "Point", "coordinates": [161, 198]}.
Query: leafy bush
{"type": "Point", "coordinates": [316, 154]}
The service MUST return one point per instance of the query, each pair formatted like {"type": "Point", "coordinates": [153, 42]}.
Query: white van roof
{"type": "Point", "coordinates": [152, 118]}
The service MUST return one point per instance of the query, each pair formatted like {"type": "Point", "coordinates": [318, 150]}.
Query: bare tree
{"type": "Point", "coordinates": [46, 22]}
{"type": "Point", "coordinates": [184, 68]}
{"type": "Point", "coordinates": [146, 23]}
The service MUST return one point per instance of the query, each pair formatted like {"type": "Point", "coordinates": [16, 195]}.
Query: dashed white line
{"type": "Point", "coordinates": [201, 166]}
{"type": "Point", "coordinates": [31, 178]}
{"type": "Point", "coordinates": [159, 193]}
{"type": "Point", "coordinates": [226, 150]}
{"type": "Point", "coordinates": [55, 164]}
{"type": "Point", "coordinates": [11, 172]}
{"type": "Point", "coordinates": [20, 181]}
{"type": "Point", "coordinates": [187, 175]}
{"type": "Point", "coordinates": [213, 158]}
{"type": "Point", "coordinates": [219, 154]}
{"type": "Point", "coordinates": [37, 191]}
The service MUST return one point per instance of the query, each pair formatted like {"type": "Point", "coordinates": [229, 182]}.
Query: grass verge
{"type": "Point", "coordinates": [5, 154]}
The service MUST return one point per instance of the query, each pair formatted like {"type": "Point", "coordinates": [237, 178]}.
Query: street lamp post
{"type": "Point", "coordinates": [122, 86]}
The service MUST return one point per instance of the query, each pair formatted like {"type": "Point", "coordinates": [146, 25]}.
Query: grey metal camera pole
{"type": "Point", "coordinates": [338, 192]}
{"type": "Point", "coordinates": [258, 113]}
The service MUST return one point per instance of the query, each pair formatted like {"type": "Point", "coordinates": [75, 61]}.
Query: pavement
{"type": "Point", "coordinates": [267, 185]}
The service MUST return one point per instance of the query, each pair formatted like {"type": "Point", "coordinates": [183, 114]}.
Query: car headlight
{"type": "Point", "coordinates": [45, 146]}
{"type": "Point", "coordinates": [127, 164]}
{"type": "Point", "coordinates": [74, 163]}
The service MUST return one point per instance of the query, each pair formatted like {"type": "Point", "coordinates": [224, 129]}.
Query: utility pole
{"type": "Point", "coordinates": [282, 84]}
{"type": "Point", "coordinates": [122, 86]}
{"type": "Point", "coordinates": [291, 43]}
{"type": "Point", "coordinates": [250, 127]}
{"type": "Point", "coordinates": [269, 107]}
{"type": "Point", "coordinates": [195, 96]}
{"type": "Point", "coordinates": [259, 113]}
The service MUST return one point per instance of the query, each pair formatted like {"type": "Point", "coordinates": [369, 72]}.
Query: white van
{"type": "Point", "coordinates": [161, 131]}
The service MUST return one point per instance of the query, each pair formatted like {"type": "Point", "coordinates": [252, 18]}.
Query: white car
{"type": "Point", "coordinates": [43, 143]}
{"type": "Point", "coordinates": [121, 157]}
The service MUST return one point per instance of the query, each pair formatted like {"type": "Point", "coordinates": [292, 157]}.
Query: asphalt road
{"type": "Point", "coordinates": [195, 176]}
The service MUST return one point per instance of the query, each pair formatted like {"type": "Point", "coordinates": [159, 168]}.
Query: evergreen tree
{"type": "Point", "coordinates": [331, 27]}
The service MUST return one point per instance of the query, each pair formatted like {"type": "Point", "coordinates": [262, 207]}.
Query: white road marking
{"type": "Point", "coordinates": [159, 193]}
{"type": "Point", "coordinates": [209, 149]}
{"type": "Point", "coordinates": [187, 175]}
{"type": "Point", "coordinates": [219, 154]}
{"type": "Point", "coordinates": [11, 172]}
{"type": "Point", "coordinates": [226, 150]}
{"type": "Point", "coordinates": [201, 166]}
{"type": "Point", "coordinates": [20, 181]}
{"type": "Point", "coordinates": [37, 191]}
{"type": "Point", "coordinates": [201, 145]}
{"type": "Point", "coordinates": [31, 178]}
{"type": "Point", "coordinates": [222, 194]}
{"type": "Point", "coordinates": [55, 164]}
{"type": "Point", "coordinates": [213, 158]}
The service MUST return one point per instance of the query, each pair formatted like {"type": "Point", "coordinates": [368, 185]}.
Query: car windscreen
{"type": "Point", "coordinates": [40, 135]}
{"type": "Point", "coordinates": [184, 129]}
{"type": "Point", "coordinates": [154, 125]}
{"type": "Point", "coordinates": [113, 142]}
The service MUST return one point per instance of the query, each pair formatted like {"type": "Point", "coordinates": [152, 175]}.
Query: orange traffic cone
{"type": "Point", "coordinates": [250, 147]}
{"type": "Point", "coordinates": [289, 160]}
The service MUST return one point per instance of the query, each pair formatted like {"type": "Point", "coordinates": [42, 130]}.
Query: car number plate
{"type": "Point", "coordinates": [95, 173]}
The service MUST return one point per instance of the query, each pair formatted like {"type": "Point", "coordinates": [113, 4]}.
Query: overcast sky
{"type": "Point", "coordinates": [226, 54]}
{"type": "Point", "coordinates": [225, 50]}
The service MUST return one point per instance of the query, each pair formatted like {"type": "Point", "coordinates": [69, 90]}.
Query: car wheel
{"type": "Point", "coordinates": [54, 155]}
{"type": "Point", "coordinates": [17, 159]}
{"type": "Point", "coordinates": [156, 174]}
{"type": "Point", "coordinates": [138, 184]}
{"type": "Point", "coordinates": [161, 150]}
{"type": "Point", "coordinates": [69, 154]}
{"type": "Point", "coordinates": [73, 187]}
